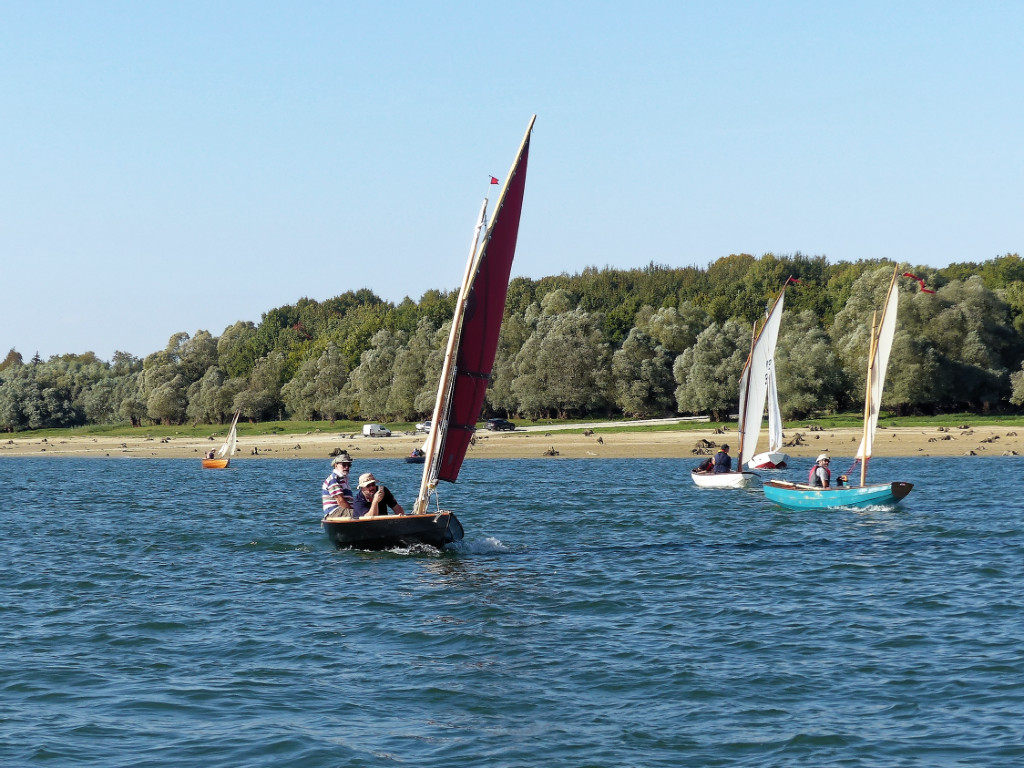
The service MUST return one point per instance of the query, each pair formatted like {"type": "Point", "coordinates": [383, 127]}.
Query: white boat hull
{"type": "Point", "coordinates": [722, 479]}
{"type": "Point", "coordinates": [769, 460]}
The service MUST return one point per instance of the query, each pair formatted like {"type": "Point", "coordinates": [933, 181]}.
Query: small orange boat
{"type": "Point", "coordinates": [227, 450]}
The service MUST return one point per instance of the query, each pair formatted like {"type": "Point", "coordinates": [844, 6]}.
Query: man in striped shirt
{"type": "Point", "coordinates": [335, 492]}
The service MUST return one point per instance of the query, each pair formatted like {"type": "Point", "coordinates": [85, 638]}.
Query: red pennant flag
{"type": "Point", "coordinates": [919, 282]}
{"type": "Point", "coordinates": [493, 180]}
{"type": "Point", "coordinates": [792, 280]}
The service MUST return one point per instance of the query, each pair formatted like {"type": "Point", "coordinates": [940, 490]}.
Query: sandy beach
{"type": "Point", "coordinates": [534, 442]}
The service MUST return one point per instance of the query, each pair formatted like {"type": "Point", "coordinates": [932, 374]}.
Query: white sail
{"type": "Point", "coordinates": [774, 414]}
{"type": "Point", "coordinates": [228, 449]}
{"type": "Point", "coordinates": [878, 362]}
{"type": "Point", "coordinates": [754, 381]}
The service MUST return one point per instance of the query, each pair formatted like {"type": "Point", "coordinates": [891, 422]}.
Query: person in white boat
{"type": "Point", "coordinates": [373, 499]}
{"type": "Point", "coordinates": [723, 461]}
{"type": "Point", "coordinates": [820, 476]}
{"type": "Point", "coordinates": [335, 492]}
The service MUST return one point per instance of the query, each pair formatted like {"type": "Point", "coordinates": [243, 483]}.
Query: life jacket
{"type": "Point", "coordinates": [812, 476]}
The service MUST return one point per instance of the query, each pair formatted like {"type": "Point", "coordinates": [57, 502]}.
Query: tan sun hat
{"type": "Point", "coordinates": [822, 457]}
{"type": "Point", "coordinates": [367, 478]}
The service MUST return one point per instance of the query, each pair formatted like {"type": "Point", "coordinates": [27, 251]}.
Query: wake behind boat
{"type": "Point", "coordinates": [803, 496]}
{"type": "Point", "coordinates": [465, 376]}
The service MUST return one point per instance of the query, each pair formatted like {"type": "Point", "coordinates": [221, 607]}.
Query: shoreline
{"type": "Point", "coordinates": [535, 443]}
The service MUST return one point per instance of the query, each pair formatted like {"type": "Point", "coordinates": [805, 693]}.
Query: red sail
{"type": "Point", "coordinates": [485, 309]}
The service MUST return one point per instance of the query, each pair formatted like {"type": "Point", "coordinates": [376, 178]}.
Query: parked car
{"type": "Point", "coordinates": [376, 430]}
{"type": "Point", "coordinates": [423, 426]}
{"type": "Point", "coordinates": [500, 425]}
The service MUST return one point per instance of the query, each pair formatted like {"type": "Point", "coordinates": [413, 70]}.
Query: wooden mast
{"type": "Point", "coordinates": [444, 387]}
{"type": "Point", "coordinates": [872, 344]}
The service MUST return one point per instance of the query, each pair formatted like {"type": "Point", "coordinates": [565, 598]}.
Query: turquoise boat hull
{"type": "Point", "coordinates": [800, 496]}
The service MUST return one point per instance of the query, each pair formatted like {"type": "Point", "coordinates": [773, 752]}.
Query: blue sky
{"type": "Point", "coordinates": [179, 166]}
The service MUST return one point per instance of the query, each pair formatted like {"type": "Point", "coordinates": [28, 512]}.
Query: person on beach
{"type": "Point", "coordinates": [723, 461]}
{"type": "Point", "coordinates": [372, 499]}
{"type": "Point", "coordinates": [819, 476]}
{"type": "Point", "coordinates": [336, 493]}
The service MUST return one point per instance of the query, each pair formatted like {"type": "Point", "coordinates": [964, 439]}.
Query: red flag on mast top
{"type": "Point", "coordinates": [493, 180]}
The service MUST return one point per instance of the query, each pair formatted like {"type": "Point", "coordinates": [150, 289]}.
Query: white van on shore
{"type": "Point", "coordinates": [376, 430]}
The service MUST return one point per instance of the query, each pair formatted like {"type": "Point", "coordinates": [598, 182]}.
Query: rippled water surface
{"type": "Point", "coordinates": [599, 613]}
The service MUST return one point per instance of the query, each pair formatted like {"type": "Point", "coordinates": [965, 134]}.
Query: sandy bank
{"type": "Point", "coordinates": [908, 441]}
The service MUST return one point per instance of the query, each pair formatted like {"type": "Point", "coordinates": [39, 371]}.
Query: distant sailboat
{"type": "Point", "coordinates": [754, 387]}
{"type": "Point", "coordinates": [227, 450]}
{"type": "Point", "coordinates": [803, 496]}
{"type": "Point", "coordinates": [465, 376]}
{"type": "Point", "coordinates": [774, 457]}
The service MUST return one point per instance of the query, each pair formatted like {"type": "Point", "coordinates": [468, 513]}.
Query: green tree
{"type": "Point", "coordinates": [236, 349]}
{"type": "Point", "coordinates": [315, 392]}
{"type": "Point", "coordinates": [708, 373]}
{"type": "Point", "coordinates": [676, 328]}
{"type": "Point", "coordinates": [21, 401]}
{"type": "Point", "coordinates": [564, 367]}
{"type": "Point", "coordinates": [261, 398]}
{"type": "Point", "coordinates": [206, 405]}
{"type": "Point", "coordinates": [131, 405]}
{"type": "Point", "coordinates": [371, 380]}
{"type": "Point", "coordinates": [809, 374]}
{"type": "Point", "coordinates": [1017, 384]}
{"type": "Point", "coordinates": [410, 372]}
{"type": "Point", "coordinates": [167, 402]}
{"type": "Point", "coordinates": [851, 330]}
{"type": "Point", "coordinates": [198, 354]}
{"type": "Point", "coordinates": [13, 358]}
{"type": "Point", "coordinates": [642, 376]}
{"type": "Point", "coordinates": [515, 331]}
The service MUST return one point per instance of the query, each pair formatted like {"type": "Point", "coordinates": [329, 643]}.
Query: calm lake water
{"type": "Point", "coordinates": [599, 613]}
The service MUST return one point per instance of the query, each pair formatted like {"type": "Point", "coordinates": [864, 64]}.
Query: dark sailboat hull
{"type": "Point", "coordinates": [388, 532]}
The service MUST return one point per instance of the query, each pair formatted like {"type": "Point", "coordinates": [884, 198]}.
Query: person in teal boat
{"type": "Point", "coordinates": [820, 476]}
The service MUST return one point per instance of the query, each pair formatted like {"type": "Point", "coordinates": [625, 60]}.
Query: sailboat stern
{"type": "Point", "coordinates": [769, 460]}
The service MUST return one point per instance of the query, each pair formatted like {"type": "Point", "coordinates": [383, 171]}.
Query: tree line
{"type": "Point", "coordinates": [656, 341]}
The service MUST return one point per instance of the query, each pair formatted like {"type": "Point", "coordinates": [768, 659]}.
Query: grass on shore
{"type": "Point", "coordinates": [846, 420]}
